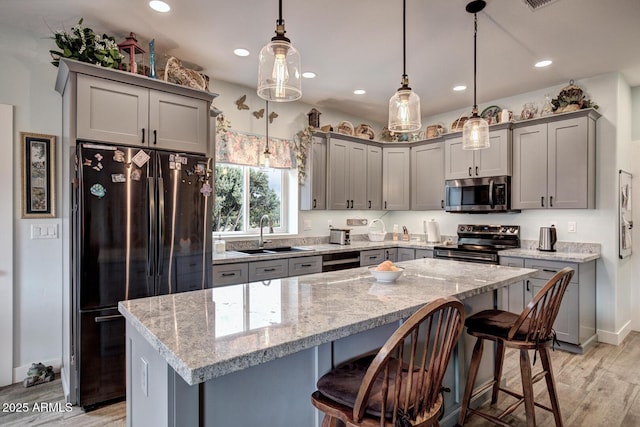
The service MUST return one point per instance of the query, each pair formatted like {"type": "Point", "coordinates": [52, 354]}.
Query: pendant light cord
{"type": "Point", "coordinates": [475, 59]}
{"type": "Point", "coordinates": [404, 40]}
{"type": "Point", "coordinates": [280, 12]}
{"type": "Point", "coordinates": [267, 122]}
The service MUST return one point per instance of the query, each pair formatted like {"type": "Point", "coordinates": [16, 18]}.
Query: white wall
{"type": "Point", "coordinates": [635, 201]}
{"type": "Point", "coordinates": [27, 83]}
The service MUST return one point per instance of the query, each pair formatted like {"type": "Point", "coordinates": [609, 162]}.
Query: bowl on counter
{"type": "Point", "coordinates": [386, 276]}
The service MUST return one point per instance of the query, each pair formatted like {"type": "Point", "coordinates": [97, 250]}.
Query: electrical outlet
{"type": "Point", "coordinates": [572, 227]}
{"type": "Point", "coordinates": [356, 222]}
{"type": "Point", "coordinates": [144, 376]}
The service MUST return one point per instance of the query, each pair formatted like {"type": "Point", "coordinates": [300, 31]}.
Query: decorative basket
{"type": "Point", "coordinates": [458, 124]}
{"type": "Point", "coordinates": [377, 235]}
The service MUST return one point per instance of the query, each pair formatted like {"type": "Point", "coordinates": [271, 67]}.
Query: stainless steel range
{"type": "Point", "coordinates": [480, 243]}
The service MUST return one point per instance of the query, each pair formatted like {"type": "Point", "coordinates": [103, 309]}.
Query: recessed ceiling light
{"type": "Point", "coordinates": [309, 75]}
{"type": "Point", "coordinates": [459, 88]}
{"type": "Point", "coordinates": [159, 6]}
{"type": "Point", "coordinates": [241, 52]}
{"type": "Point", "coordinates": [544, 63]}
{"type": "Point", "coordinates": [359, 92]}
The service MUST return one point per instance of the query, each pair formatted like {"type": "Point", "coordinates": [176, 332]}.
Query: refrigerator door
{"type": "Point", "coordinates": [102, 366]}
{"type": "Point", "coordinates": [184, 222]}
{"type": "Point", "coordinates": [113, 225]}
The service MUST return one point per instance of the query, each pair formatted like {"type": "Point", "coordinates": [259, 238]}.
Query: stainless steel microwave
{"type": "Point", "coordinates": [478, 195]}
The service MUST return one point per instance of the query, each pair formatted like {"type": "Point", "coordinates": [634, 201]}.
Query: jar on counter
{"type": "Point", "coordinates": [219, 246]}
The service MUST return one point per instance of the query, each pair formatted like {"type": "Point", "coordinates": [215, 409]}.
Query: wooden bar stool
{"type": "Point", "coordinates": [531, 330]}
{"type": "Point", "coordinates": [401, 384]}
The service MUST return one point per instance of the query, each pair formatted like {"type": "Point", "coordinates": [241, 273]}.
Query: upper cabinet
{"type": "Point", "coordinates": [374, 177]}
{"type": "Point", "coordinates": [124, 108]}
{"type": "Point", "coordinates": [313, 191]}
{"type": "Point", "coordinates": [492, 161]}
{"type": "Point", "coordinates": [395, 184]}
{"type": "Point", "coordinates": [554, 162]}
{"type": "Point", "coordinates": [427, 176]}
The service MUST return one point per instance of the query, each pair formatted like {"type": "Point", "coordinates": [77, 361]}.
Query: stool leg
{"type": "Point", "coordinates": [476, 357]}
{"type": "Point", "coordinates": [527, 387]}
{"type": "Point", "coordinates": [497, 371]}
{"type": "Point", "coordinates": [551, 385]}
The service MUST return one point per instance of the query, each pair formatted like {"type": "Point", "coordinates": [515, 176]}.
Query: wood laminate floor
{"type": "Point", "coordinates": [599, 388]}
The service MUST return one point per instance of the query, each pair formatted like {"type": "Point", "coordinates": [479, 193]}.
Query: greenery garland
{"type": "Point", "coordinates": [302, 140]}
{"type": "Point", "coordinates": [82, 44]}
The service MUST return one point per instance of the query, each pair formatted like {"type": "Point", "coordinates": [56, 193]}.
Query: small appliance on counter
{"type": "Point", "coordinates": [548, 239]}
{"type": "Point", "coordinates": [432, 231]}
{"type": "Point", "coordinates": [340, 236]}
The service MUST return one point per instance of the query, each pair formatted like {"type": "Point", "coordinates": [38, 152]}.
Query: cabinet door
{"type": "Point", "coordinates": [391, 254]}
{"type": "Point", "coordinates": [567, 321]}
{"type": "Point", "coordinates": [372, 257]}
{"type": "Point", "coordinates": [427, 177]}
{"type": "Point", "coordinates": [305, 265]}
{"type": "Point", "coordinates": [512, 297]}
{"type": "Point", "coordinates": [374, 177]}
{"type": "Point", "coordinates": [178, 122]}
{"type": "Point", "coordinates": [358, 176]}
{"type": "Point", "coordinates": [406, 254]}
{"type": "Point", "coordinates": [230, 274]}
{"type": "Point", "coordinates": [267, 270]}
{"type": "Point", "coordinates": [495, 160]}
{"type": "Point", "coordinates": [529, 182]}
{"type": "Point", "coordinates": [458, 163]}
{"type": "Point", "coordinates": [424, 253]}
{"type": "Point", "coordinates": [112, 112]}
{"type": "Point", "coordinates": [313, 191]}
{"type": "Point", "coordinates": [568, 163]}
{"type": "Point", "coordinates": [395, 184]}
{"type": "Point", "coordinates": [338, 174]}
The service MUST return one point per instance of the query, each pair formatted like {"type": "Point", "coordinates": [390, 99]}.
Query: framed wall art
{"type": "Point", "coordinates": [38, 175]}
{"type": "Point", "coordinates": [625, 225]}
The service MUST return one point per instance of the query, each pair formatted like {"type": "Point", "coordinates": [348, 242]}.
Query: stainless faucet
{"type": "Point", "coordinates": [261, 242]}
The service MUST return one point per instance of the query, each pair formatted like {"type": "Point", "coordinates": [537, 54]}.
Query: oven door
{"type": "Point", "coordinates": [481, 257]}
{"type": "Point", "coordinates": [483, 195]}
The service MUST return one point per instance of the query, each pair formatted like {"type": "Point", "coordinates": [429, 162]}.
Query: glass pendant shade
{"type": "Point", "coordinates": [279, 72]}
{"type": "Point", "coordinates": [404, 111]}
{"type": "Point", "coordinates": [475, 134]}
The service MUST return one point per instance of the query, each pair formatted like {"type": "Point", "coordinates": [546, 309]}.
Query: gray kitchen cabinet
{"type": "Point", "coordinates": [347, 179]}
{"type": "Point", "coordinates": [116, 112]}
{"type": "Point", "coordinates": [492, 161]}
{"type": "Point", "coordinates": [512, 298]}
{"type": "Point", "coordinates": [374, 177]}
{"type": "Point", "coordinates": [391, 254]}
{"type": "Point", "coordinates": [427, 176]}
{"type": "Point", "coordinates": [424, 253]}
{"type": "Point", "coordinates": [554, 162]}
{"type": "Point", "coordinates": [396, 164]}
{"type": "Point", "coordinates": [230, 274]}
{"type": "Point", "coordinates": [305, 265]}
{"type": "Point", "coordinates": [268, 269]}
{"type": "Point", "coordinates": [313, 191]}
{"type": "Point", "coordinates": [372, 257]}
{"type": "Point", "coordinates": [406, 254]}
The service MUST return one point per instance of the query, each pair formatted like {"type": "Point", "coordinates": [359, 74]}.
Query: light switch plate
{"type": "Point", "coordinates": [572, 227]}
{"type": "Point", "coordinates": [44, 231]}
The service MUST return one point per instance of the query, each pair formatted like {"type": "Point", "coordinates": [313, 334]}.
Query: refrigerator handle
{"type": "Point", "coordinates": [151, 228]}
{"type": "Point", "coordinates": [161, 220]}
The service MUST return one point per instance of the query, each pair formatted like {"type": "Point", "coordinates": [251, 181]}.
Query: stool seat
{"type": "Point", "coordinates": [530, 330]}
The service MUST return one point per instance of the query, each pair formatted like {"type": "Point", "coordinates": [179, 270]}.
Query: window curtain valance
{"type": "Point", "coordinates": [247, 149]}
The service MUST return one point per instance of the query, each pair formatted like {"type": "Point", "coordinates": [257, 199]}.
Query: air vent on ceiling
{"type": "Point", "coordinates": [537, 4]}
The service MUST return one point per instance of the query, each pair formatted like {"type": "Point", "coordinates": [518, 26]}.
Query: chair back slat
{"type": "Point", "coordinates": [542, 310]}
{"type": "Point", "coordinates": [417, 354]}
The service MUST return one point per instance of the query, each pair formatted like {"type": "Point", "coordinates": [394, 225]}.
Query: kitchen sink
{"type": "Point", "coordinates": [274, 250]}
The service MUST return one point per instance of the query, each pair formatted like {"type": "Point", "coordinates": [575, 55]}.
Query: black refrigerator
{"type": "Point", "coordinates": [141, 227]}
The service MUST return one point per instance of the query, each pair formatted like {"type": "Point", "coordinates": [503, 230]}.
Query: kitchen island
{"type": "Point", "coordinates": [251, 354]}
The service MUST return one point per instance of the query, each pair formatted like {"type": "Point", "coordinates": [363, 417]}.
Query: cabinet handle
{"type": "Point", "coordinates": [470, 171]}
{"type": "Point", "coordinates": [269, 269]}
{"type": "Point", "coordinates": [373, 256]}
{"type": "Point", "coordinates": [550, 201]}
{"type": "Point", "coordinates": [528, 286]}
{"type": "Point", "coordinates": [347, 203]}
{"type": "Point", "coordinates": [142, 135]}
{"type": "Point", "coordinates": [228, 274]}
{"type": "Point", "coordinates": [369, 204]}
{"type": "Point", "coordinates": [351, 204]}
{"type": "Point", "coordinates": [477, 171]}
{"type": "Point", "coordinates": [306, 265]}
{"type": "Point", "coordinates": [548, 270]}
{"type": "Point", "coordinates": [542, 201]}
{"type": "Point", "coordinates": [314, 203]}
{"type": "Point", "coordinates": [441, 204]}
{"type": "Point", "coordinates": [385, 204]}
{"type": "Point", "coordinates": [155, 137]}
{"type": "Point", "coordinates": [387, 254]}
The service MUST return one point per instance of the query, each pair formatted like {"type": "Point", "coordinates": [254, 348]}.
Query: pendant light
{"type": "Point", "coordinates": [266, 163]}
{"type": "Point", "coordinates": [475, 133]}
{"type": "Point", "coordinates": [404, 105]}
{"type": "Point", "coordinates": [279, 70]}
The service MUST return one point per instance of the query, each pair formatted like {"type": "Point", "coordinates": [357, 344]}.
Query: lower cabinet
{"type": "Point", "coordinates": [305, 265]}
{"type": "Point", "coordinates": [406, 254]}
{"type": "Point", "coordinates": [424, 253]}
{"type": "Point", "coordinates": [372, 257]}
{"type": "Point", "coordinates": [230, 274]}
{"type": "Point", "coordinates": [576, 320]}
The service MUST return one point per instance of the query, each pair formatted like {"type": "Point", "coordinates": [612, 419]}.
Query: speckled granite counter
{"type": "Point", "coordinates": [565, 251]}
{"type": "Point", "coordinates": [189, 332]}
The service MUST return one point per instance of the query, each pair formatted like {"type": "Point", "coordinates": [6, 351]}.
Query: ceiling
{"type": "Point", "coordinates": [357, 44]}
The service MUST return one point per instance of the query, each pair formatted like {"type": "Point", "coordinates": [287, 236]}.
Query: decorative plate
{"type": "Point", "coordinates": [345, 128]}
{"type": "Point", "coordinates": [365, 131]}
{"type": "Point", "coordinates": [491, 114]}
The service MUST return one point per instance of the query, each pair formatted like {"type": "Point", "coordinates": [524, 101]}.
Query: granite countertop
{"type": "Point", "coordinates": [565, 251]}
{"type": "Point", "coordinates": [209, 333]}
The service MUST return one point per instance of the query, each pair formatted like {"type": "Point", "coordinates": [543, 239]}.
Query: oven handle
{"type": "Point", "coordinates": [491, 201]}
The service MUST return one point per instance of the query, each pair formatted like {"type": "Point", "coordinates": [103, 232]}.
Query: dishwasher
{"type": "Point", "coordinates": [340, 261]}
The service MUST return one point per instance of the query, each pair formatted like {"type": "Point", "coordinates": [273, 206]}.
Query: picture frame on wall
{"type": "Point", "coordinates": [38, 175]}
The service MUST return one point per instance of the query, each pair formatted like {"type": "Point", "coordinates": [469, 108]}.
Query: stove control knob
{"type": "Point", "coordinates": [462, 228]}
{"type": "Point", "coordinates": [503, 229]}
{"type": "Point", "coordinates": [469, 228]}
{"type": "Point", "coordinates": [512, 229]}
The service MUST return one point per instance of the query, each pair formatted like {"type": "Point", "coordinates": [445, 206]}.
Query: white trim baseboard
{"type": "Point", "coordinates": [614, 338]}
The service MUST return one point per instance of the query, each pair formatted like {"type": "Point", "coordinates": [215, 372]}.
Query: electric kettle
{"type": "Point", "coordinates": [548, 239]}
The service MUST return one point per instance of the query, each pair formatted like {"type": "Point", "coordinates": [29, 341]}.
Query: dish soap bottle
{"type": "Point", "coordinates": [219, 246]}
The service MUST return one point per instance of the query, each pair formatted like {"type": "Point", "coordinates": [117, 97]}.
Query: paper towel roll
{"type": "Point", "coordinates": [433, 231]}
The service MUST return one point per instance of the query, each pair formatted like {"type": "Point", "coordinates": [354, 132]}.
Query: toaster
{"type": "Point", "coordinates": [339, 236]}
